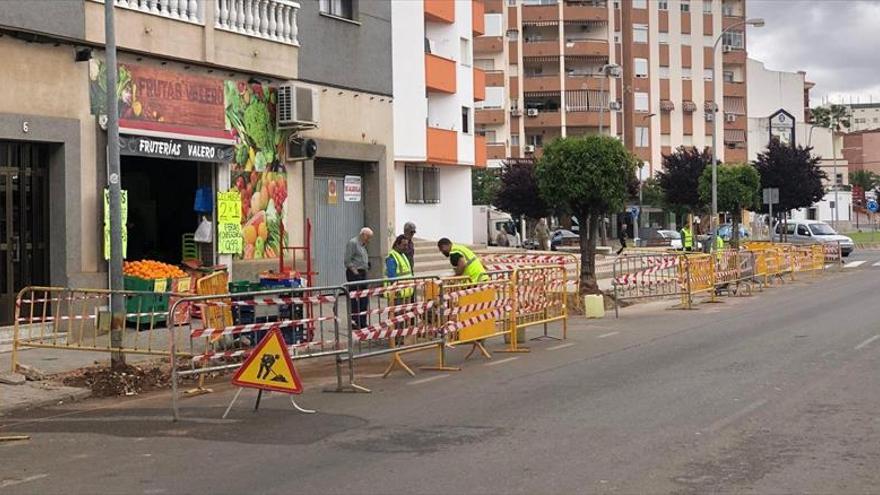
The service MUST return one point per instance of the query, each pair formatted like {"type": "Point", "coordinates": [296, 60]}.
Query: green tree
{"type": "Point", "coordinates": [652, 193]}
{"type": "Point", "coordinates": [588, 177]}
{"type": "Point", "coordinates": [680, 179]}
{"type": "Point", "coordinates": [518, 193]}
{"type": "Point", "coordinates": [865, 179]}
{"type": "Point", "coordinates": [484, 185]}
{"type": "Point", "coordinates": [795, 171]}
{"type": "Point", "coordinates": [738, 187]}
{"type": "Point", "coordinates": [835, 117]}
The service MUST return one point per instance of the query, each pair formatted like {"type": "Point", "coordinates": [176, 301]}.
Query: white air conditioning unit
{"type": "Point", "coordinates": [730, 117]}
{"type": "Point", "coordinates": [297, 107]}
{"type": "Point", "coordinates": [529, 148]}
{"type": "Point", "coordinates": [727, 48]}
{"type": "Point", "coordinates": [515, 112]}
{"type": "Point", "coordinates": [615, 105]}
{"type": "Point", "coordinates": [532, 112]}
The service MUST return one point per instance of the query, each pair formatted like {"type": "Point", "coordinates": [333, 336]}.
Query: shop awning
{"type": "Point", "coordinates": [596, 22]}
{"type": "Point", "coordinates": [734, 136]}
{"type": "Point", "coordinates": [734, 105]}
{"type": "Point", "coordinates": [551, 22]}
{"type": "Point", "coordinates": [541, 94]}
{"type": "Point", "coordinates": [667, 106]}
{"type": "Point", "coordinates": [688, 106]}
{"type": "Point", "coordinates": [587, 58]}
{"type": "Point", "coordinates": [542, 58]}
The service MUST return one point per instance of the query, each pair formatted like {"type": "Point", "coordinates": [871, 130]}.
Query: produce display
{"type": "Point", "coordinates": [257, 172]}
{"type": "Point", "coordinates": [149, 269]}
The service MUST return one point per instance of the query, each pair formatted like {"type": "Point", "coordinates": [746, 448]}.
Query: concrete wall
{"type": "Point", "coordinates": [771, 90]}
{"type": "Point", "coordinates": [354, 55]}
{"type": "Point", "coordinates": [65, 18]}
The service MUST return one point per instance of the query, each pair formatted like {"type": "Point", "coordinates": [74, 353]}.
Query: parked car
{"type": "Point", "coordinates": [563, 237]}
{"type": "Point", "coordinates": [726, 232]}
{"type": "Point", "coordinates": [810, 231]}
{"type": "Point", "coordinates": [671, 237]}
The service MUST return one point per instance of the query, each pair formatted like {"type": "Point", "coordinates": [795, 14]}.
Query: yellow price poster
{"type": "Point", "coordinates": [123, 203]}
{"type": "Point", "coordinates": [229, 239]}
{"type": "Point", "coordinates": [229, 207]}
{"type": "Point", "coordinates": [160, 285]}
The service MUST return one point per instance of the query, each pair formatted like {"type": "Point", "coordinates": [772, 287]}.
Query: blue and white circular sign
{"type": "Point", "coordinates": [873, 206]}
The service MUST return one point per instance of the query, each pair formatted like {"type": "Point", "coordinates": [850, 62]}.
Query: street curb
{"type": "Point", "coordinates": [79, 395]}
{"type": "Point", "coordinates": [868, 245]}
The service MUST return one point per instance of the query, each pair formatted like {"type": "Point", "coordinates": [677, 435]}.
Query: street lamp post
{"type": "Point", "coordinates": [756, 22]}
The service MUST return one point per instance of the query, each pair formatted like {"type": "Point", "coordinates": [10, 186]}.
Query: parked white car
{"type": "Point", "coordinates": [810, 231]}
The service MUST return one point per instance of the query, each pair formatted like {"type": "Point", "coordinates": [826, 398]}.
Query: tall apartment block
{"type": "Point", "coordinates": [435, 89]}
{"type": "Point", "coordinates": [643, 70]}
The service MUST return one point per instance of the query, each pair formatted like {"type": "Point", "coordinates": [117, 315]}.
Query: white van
{"type": "Point", "coordinates": [812, 231]}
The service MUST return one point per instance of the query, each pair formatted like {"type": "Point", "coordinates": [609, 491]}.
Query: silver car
{"type": "Point", "coordinates": [812, 231]}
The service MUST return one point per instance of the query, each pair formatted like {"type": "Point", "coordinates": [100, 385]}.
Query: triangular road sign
{"type": "Point", "coordinates": [269, 367]}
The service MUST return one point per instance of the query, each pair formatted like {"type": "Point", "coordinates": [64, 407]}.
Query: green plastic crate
{"type": "Point", "coordinates": [146, 303]}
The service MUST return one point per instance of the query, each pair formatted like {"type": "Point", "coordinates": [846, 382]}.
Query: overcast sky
{"type": "Point", "coordinates": [837, 42]}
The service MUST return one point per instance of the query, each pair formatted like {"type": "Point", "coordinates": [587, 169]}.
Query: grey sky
{"type": "Point", "coordinates": [837, 42]}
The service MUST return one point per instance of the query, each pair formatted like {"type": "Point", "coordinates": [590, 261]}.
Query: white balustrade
{"type": "Point", "coordinates": [184, 10]}
{"type": "Point", "coordinates": [268, 19]}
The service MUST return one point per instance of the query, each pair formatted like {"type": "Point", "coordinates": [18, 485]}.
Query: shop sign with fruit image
{"type": "Point", "coordinates": [257, 172]}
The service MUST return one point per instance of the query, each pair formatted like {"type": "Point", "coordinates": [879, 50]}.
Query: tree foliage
{"type": "Point", "coordinates": [835, 117]}
{"type": "Point", "coordinates": [680, 179]}
{"type": "Point", "coordinates": [795, 171]}
{"type": "Point", "coordinates": [518, 192]}
{"type": "Point", "coordinates": [738, 188]}
{"type": "Point", "coordinates": [588, 177]}
{"type": "Point", "coordinates": [652, 193]}
{"type": "Point", "coordinates": [865, 179]}
{"type": "Point", "coordinates": [484, 185]}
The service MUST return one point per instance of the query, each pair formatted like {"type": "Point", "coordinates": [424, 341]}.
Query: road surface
{"type": "Point", "coordinates": [773, 393]}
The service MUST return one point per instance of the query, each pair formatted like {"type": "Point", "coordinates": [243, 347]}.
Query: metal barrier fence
{"type": "Point", "coordinates": [697, 274]}
{"type": "Point", "coordinates": [540, 299]}
{"type": "Point", "coordinates": [80, 319]}
{"type": "Point", "coordinates": [644, 276]}
{"type": "Point", "coordinates": [495, 261]}
{"type": "Point", "coordinates": [384, 314]}
{"type": "Point", "coordinates": [833, 253]}
{"type": "Point", "coordinates": [307, 317]}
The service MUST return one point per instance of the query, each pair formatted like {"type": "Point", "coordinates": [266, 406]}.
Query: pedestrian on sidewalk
{"type": "Point", "coordinates": [357, 264]}
{"type": "Point", "coordinates": [409, 231]}
{"type": "Point", "coordinates": [542, 232]}
{"type": "Point", "coordinates": [621, 236]}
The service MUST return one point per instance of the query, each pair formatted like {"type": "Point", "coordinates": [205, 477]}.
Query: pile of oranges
{"type": "Point", "coordinates": [150, 269]}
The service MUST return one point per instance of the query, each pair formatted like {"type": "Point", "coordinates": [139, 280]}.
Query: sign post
{"type": "Point", "coordinates": [771, 197]}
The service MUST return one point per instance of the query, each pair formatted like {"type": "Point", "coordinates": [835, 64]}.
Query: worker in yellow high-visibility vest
{"type": "Point", "coordinates": [464, 261]}
{"type": "Point", "coordinates": [687, 238]}
{"type": "Point", "coordinates": [397, 267]}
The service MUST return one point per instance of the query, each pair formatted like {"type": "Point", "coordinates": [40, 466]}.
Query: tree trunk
{"type": "Point", "coordinates": [588, 234]}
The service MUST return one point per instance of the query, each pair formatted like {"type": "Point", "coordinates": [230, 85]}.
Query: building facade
{"type": "Point", "coordinates": [863, 116]}
{"type": "Point", "coordinates": [196, 96]}
{"type": "Point", "coordinates": [642, 70]}
{"type": "Point", "coordinates": [436, 87]}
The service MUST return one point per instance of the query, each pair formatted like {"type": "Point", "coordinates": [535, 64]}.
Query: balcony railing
{"type": "Point", "coordinates": [184, 10]}
{"type": "Point", "coordinates": [273, 20]}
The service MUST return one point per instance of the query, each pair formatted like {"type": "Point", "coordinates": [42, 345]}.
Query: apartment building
{"type": "Point", "coordinates": [493, 115]}
{"type": "Point", "coordinates": [436, 87]}
{"type": "Point", "coordinates": [197, 89]}
{"type": "Point", "coordinates": [641, 70]}
{"type": "Point", "coordinates": [864, 116]}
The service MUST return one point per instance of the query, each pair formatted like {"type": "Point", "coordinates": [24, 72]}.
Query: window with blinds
{"type": "Point", "coordinates": [421, 185]}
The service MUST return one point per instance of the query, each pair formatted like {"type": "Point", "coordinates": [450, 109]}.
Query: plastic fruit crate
{"type": "Point", "coordinates": [156, 302]}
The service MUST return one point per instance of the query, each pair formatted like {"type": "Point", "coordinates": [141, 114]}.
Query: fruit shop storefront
{"type": "Point", "coordinates": [187, 137]}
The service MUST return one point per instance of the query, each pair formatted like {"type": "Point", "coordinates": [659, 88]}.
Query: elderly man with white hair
{"type": "Point", "coordinates": [357, 263]}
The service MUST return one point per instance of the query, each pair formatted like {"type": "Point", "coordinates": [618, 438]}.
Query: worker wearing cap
{"type": "Point", "coordinates": [409, 232]}
{"type": "Point", "coordinates": [464, 261]}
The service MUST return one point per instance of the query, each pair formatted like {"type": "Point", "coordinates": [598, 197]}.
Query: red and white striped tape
{"type": "Point", "coordinates": [255, 327]}
{"type": "Point", "coordinates": [395, 309]}
{"type": "Point", "coordinates": [214, 356]}
{"type": "Point", "coordinates": [376, 291]}
{"type": "Point", "coordinates": [454, 326]}
{"type": "Point", "coordinates": [388, 328]}
{"type": "Point", "coordinates": [497, 303]}
{"type": "Point", "coordinates": [269, 301]}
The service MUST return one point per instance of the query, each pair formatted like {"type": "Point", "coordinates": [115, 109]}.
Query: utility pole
{"type": "Point", "coordinates": [117, 301]}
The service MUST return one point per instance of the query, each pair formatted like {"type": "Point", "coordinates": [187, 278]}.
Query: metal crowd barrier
{"type": "Point", "coordinates": [697, 276]}
{"type": "Point", "coordinates": [540, 299]}
{"type": "Point", "coordinates": [495, 261]}
{"type": "Point", "coordinates": [307, 317]}
{"type": "Point", "coordinates": [80, 319]}
{"type": "Point", "coordinates": [642, 276]}
{"type": "Point", "coordinates": [833, 253]}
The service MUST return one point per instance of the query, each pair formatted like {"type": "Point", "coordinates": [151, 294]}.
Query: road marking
{"type": "Point", "coordinates": [854, 264]}
{"type": "Point", "coordinates": [426, 380]}
{"type": "Point", "coordinates": [609, 334]}
{"type": "Point", "coordinates": [507, 360]}
{"type": "Point", "coordinates": [723, 422]}
{"type": "Point", "coordinates": [863, 344]}
{"type": "Point", "coordinates": [560, 346]}
{"type": "Point", "coordinates": [877, 263]}
{"type": "Point", "coordinates": [8, 483]}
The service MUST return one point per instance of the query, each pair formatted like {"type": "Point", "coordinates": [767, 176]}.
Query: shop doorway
{"type": "Point", "coordinates": [24, 221]}
{"type": "Point", "coordinates": [161, 206]}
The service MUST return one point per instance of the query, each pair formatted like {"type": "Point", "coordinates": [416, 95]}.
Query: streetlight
{"type": "Point", "coordinates": [638, 219]}
{"type": "Point", "coordinates": [756, 22]}
{"type": "Point", "coordinates": [608, 70]}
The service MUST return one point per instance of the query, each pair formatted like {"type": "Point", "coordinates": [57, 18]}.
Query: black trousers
{"type": "Point", "coordinates": [359, 304]}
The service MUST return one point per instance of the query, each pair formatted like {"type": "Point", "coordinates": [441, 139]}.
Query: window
{"type": "Point", "coordinates": [514, 139]}
{"type": "Point", "coordinates": [707, 6]}
{"type": "Point", "coordinates": [487, 64]}
{"type": "Point", "coordinates": [641, 102]}
{"type": "Point", "coordinates": [802, 231]}
{"type": "Point", "coordinates": [664, 72]}
{"type": "Point", "coordinates": [685, 6]}
{"type": "Point", "coordinates": [346, 9]}
{"type": "Point", "coordinates": [728, 76]}
{"type": "Point", "coordinates": [641, 67]}
{"type": "Point", "coordinates": [490, 137]}
{"type": "Point", "coordinates": [617, 36]}
{"type": "Point", "coordinates": [727, 9]}
{"type": "Point", "coordinates": [708, 74]}
{"type": "Point", "coordinates": [640, 33]}
{"type": "Point", "coordinates": [536, 140]}
{"type": "Point", "coordinates": [812, 214]}
{"type": "Point", "coordinates": [642, 139]}
{"type": "Point", "coordinates": [640, 4]}
{"type": "Point", "coordinates": [421, 185]}
{"type": "Point", "coordinates": [686, 73]}
{"type": "Point", "coordinates": [465, 59]}
{"type": "Point", "coordinates": [662, 5]}
{"type": "Point", "coordinates": [466, 120]}
{"type": "Point", "coordinates": [494, 25]}
{"type": "Point", "coordinates": [733, 38]}
{"type": "Point", "coordinates": [663, 37]}
{"type": "Point", "coordinates": [838, 179]}
{"type": "Point", "coordinates": [512, 3]}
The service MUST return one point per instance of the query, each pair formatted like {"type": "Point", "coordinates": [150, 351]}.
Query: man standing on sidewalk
{"type": "Point", "coordinates": [357, 263]}
{"type": "Point", "coordinates": [409, 231]}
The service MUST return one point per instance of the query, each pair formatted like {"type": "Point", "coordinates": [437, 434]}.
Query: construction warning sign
{"type": "Point", "coordinates": [269, 367]}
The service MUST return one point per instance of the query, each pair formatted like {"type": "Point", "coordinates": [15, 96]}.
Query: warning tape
{"type": "Point", "coordinates": [269, 301]}
{"type": "Point", "coordinates": [454, 326]}
{"type": "Point", "coordinates": [498, 303]}
{"type": "Point", "coordinates": [387, 328]}
{"type": "Point", "coordinates": [395, 309]}
{"type": "Point", "coordinates": [214, 356]}
{"type": "Point", "coordinates": [255, 327]}
{"type": "Point", "coordinates": [375, 291]}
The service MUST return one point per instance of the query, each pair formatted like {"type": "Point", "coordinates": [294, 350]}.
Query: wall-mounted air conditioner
{"type": "Point", "coordinates": [297, 107]}
{"type": "Point", "coordinates": [529, 148]}
{"type": "Point", "coordinates": [532, 112]}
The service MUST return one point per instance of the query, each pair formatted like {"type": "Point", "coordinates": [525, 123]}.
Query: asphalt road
{"type": "Point", "coordinates": [773, 393]}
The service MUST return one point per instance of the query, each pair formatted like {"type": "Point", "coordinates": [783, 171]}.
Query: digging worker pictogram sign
{"type": "Point", "coordinates": [269, 367]}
